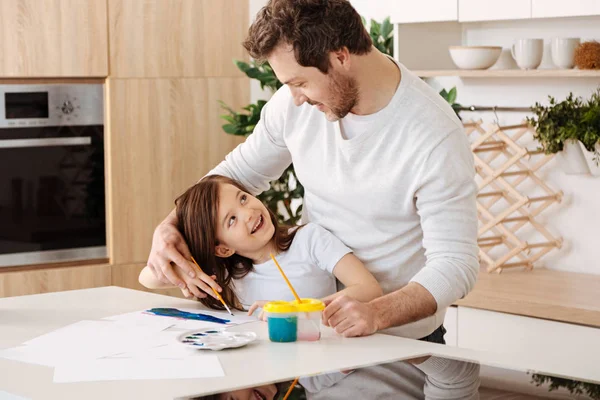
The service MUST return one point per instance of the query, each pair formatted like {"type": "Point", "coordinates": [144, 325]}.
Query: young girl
{"type": "Point", "coordinates": [231, 235]}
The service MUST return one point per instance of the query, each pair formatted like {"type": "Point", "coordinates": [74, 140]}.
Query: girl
{"type": "Point", "coordinates": [231, 235]}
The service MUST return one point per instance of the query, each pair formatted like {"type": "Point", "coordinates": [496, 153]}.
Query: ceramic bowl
{"type": "Point", "coordinates": [475, 57]}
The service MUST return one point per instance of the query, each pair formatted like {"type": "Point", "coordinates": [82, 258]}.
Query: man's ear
{"type": "Point", "coordinates": [223, 251]}
{"type": "Point", "coordinates": [341, 57]}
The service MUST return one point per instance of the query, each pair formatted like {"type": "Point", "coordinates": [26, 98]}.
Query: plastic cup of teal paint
{"type": "Point", "coordinates": [282, 319]}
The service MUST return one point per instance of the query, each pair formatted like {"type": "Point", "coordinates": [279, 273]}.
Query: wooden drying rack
{"type": "Point", "coordinates": [503, 204]}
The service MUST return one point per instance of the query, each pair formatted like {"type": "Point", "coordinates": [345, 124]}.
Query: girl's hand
{"type": "Point", "coordinates": [258, 304]}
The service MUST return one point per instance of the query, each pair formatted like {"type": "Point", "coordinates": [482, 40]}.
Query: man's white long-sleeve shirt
{"type": "Point", "coordinates": [401, 195]}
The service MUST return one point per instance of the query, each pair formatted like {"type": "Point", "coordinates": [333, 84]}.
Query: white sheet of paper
{"type": "Point", "coordinates": [238, 317]}
{"type": "Point", "coordinates": [9, 396]}
{"type": "Point", "coordinates": [172, 351]}
{"type": "Point", "coordinates": [26, 355]}
{"type": "Point", "coordinates": [141, 318]}
{"type": "Point", "coordinates": [86, 340]}
{"type": "Point", "coordinates": [108, 369]}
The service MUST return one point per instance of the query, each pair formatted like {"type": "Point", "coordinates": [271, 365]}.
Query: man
{"type": "Point", "coordinates": [384, 161]}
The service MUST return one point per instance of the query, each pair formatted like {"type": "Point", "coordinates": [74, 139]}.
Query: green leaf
{"type": "Point", "coordinates": [375, 28]}
{"type": "Point", "coordinates": [231, 129]}
{"type": "Point", "coordinates": [386, 28]}
{"type": "Point", "coordinates": [452, 95]}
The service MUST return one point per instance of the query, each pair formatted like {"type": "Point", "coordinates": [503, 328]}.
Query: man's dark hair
{"type": "Point", "coordinates": [313, 27]}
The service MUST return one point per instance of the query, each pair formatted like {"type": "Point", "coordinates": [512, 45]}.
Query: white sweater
{"type": "Point", "coordinates": [401, 196]}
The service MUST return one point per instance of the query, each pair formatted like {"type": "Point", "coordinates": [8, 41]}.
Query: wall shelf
{"type": "Point", "coordinates": [510, 73]}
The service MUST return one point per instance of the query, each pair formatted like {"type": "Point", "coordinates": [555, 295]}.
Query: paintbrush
{"type": "Point", "coordinates": [292, 386]}
{"type": "Point", "coordinates": [286, 280]}
{"type": "Point", "coordinates": [213, 289]}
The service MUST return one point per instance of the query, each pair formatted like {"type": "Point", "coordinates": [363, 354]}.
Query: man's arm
{"type": "Point", "coordinates": [446, 203]}
{"type": "Point", "coordinates": [264, 155]}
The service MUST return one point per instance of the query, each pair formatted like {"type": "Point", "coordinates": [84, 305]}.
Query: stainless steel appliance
{"type": "Point", "coordinates": [52, 202]}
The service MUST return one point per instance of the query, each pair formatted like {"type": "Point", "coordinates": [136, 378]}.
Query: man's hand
{"type": "Point", "coordinates": [349, 317]}
{"type": "Point", "coordinates": [169, 247]}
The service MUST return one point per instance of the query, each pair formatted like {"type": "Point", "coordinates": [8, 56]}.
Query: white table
{"type": "Point", "coordinates": [25, 317]}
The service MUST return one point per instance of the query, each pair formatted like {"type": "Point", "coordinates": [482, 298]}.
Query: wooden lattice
{"type": "Point", "coordinates": [511, 195]}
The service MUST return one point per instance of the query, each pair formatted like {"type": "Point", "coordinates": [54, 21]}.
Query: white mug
{"type": "Point", "coordinates": [528, 52]}
{"type": "Point", "coordinates": [563, 52]}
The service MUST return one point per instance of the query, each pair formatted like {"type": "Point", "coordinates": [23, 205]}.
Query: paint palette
{"type": "Point", "coordinates": [216, 339]}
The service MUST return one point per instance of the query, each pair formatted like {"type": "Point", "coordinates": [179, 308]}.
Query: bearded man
{"type": "Point", "coordinates": [384, 161]}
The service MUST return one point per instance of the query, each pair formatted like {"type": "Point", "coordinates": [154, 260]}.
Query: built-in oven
{"type": "Point", "coordinates": [52, 201]}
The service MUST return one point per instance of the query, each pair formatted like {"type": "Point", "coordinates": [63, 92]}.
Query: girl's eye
{"type": "Point", "coordinates": [231, 220]}
{"type": "Point", "coordinates": [243, 199]}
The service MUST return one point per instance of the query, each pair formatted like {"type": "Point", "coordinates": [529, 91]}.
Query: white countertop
{"type": "Point", "coordinates": [23, 318]}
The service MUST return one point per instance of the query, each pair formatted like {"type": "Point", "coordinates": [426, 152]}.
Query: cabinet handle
{"type": "Point", "coordinates": [46, 142]}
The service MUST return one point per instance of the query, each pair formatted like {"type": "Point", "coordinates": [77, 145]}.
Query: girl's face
{"type": "Point", "coordinates": [243, 224]}
{"type": "Point", "coordinates": [266, 392]}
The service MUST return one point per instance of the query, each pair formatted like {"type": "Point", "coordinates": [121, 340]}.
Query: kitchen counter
{"type": "Point", "coordinates": [541, 293]}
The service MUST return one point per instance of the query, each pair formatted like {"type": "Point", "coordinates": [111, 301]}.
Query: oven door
{"type": "Point", "coordinates": [52, 200]}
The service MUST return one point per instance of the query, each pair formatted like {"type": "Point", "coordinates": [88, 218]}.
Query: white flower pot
{"type": "Point", "coordinates": [572, 159]}
{"type": "Point", "coordinates": [594, 169]}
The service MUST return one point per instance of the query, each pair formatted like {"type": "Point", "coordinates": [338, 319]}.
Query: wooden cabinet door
{"type": "Point", "coordinates": [492, 10]}
{"type": "Point", "coordinates": [164, 135]}
{"type": "Point", "coordinates": [35, 281]}
{"type": "Point", "coordinates": [176, 38]}
{"type": "Point", "coordinates": [126, 275]}
{"type": "Point", "coordinates": [408, 11]}
{"type": "Point", "coordinates": [561, 8]}
{"type": "Point", "coordinates": [53, 38]}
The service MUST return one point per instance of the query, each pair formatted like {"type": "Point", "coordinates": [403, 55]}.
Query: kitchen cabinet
{"type": "Point", "coordinates": [176, 38]}
{"type": "Point", "coordinates": [165, 134]}
{"type": "Point", "coordinates": [126, 276]}
{"type": "Point", "coordinates": [451, 326]}
{"type": "Point", "coordinates": [20, 282]}
{"type": "Point", "coordinates": [492, 10]}
{"type": "Point", "coordinates": [53, 38]}
{"type": "Point", "coordinates": [406, 11]}
{"type": "Point", "coordinates": [561, 8]}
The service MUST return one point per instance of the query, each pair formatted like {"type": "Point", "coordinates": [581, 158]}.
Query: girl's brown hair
{"type": "Point", "coordinates": [197, 213]}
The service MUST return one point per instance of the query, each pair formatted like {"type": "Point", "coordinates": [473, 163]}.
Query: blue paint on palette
{"type": "Point", "coordinates": [211, 332]}
{"type": "Point", "coordinates": [173, 312]}
{"type": "Point", "coordinates": [198, 344]}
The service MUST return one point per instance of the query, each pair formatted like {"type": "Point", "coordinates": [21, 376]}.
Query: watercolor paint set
{"type": "Point", "coordinates": [215, 339]}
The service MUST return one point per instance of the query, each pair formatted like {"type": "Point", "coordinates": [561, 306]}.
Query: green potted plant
{"type": "Point", "coordinates": [576, 388]}
{"type": "Point", "coordinates": [562, 126]}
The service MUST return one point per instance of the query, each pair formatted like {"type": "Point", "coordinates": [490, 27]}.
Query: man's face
{"type": "Point", "coordinates": [334, 93]}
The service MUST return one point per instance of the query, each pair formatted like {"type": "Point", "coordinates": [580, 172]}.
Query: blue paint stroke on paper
{"type": "Point", "coordinates": [173, 312]}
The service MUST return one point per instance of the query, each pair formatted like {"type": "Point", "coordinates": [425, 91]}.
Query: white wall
{"type": "Point", "coordinates": [577, 218]}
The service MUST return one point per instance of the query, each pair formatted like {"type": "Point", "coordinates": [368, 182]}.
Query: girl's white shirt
{"type": "Point", "coordinates": [308, 264]}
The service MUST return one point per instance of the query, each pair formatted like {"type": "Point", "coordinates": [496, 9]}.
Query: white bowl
{"type": "Point", "coordinates": [475, 57]}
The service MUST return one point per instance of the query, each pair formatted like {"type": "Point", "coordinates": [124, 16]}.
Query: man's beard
{"type": "Point", "coordinates": [344, 92]}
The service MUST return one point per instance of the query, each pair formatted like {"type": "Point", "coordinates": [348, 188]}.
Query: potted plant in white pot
{"type": "Point", "coordinates": [568, 127]}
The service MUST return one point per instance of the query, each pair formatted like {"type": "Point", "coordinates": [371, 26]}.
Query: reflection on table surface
{"type": "Point", "coordinates": [433, 378]}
